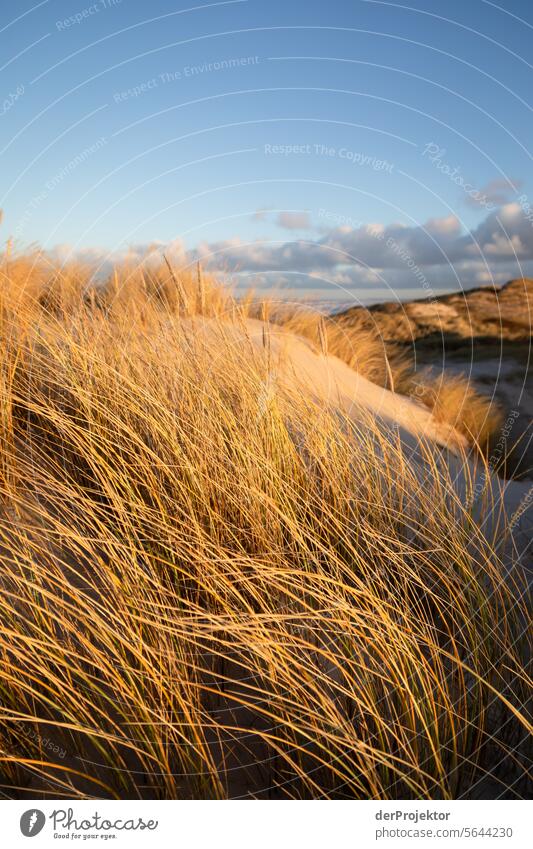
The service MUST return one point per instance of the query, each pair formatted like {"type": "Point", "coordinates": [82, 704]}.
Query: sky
{"type": "Point", "coordinates": [350, 150]}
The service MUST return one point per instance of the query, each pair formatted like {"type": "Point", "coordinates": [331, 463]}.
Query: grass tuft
{"type": "Point", "coordinates": [214, 586]}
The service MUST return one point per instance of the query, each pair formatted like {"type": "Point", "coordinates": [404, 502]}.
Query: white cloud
{"type": "Point", "coordinates": [260, 214]}
{"type": "Point", "coordinates": [496, 192]}
{"type": "Point", "coordinates": [438, 254]}
{"type": "Point", "coordinates": [290, 220]}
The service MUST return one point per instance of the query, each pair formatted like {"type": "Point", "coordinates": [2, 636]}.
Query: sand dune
{"type": "Point", "coordinates": [295, 364]}
{"type": "Point", "coordinates": [489, 313]}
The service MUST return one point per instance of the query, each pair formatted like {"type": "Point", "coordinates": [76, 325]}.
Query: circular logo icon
{"type": "Point", "coordinates": [32, 822]}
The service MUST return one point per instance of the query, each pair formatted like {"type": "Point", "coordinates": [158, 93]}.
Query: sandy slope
{"type": "Point", "coordinates": [328, 380]}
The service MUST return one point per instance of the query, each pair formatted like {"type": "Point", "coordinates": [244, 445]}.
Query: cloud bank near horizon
{"type": "Point", "coordinates": [349, 254]}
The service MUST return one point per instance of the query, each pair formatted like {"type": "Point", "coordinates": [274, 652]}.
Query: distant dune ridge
{"type": "Point", "coordinates": [489, 313]}
{"type": "Point", "coordinates": [465, 349]}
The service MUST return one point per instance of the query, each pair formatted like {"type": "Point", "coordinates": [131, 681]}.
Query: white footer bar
{"type": "Point", "coordinates": [267, 825]}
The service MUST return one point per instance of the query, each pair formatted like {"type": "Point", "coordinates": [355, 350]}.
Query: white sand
{"type": "Point", "coordinates": [331, 381]}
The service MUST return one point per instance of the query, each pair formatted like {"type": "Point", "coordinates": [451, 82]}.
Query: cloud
{"type": "Point", "coordinates": [354, 282]}
{"type": "Point", "coordinates": [294, 220]}
{"type": "Point", "coordinates": [494, 193]}
{"type": "Point", "coordinates": [439, 254]}
{"type": "Point", "coordinates": [439, 250]}
{"type": "Point", "coordinates": [260, 214]}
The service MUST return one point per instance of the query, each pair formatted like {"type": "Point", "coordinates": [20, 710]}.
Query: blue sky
{"type": "Point", "coordinates": [348, 149]}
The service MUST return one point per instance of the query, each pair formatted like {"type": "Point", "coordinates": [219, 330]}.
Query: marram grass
{"type": "Point", "coordinates": [214, 587]}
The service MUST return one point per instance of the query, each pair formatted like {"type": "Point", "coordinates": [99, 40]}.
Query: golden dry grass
{"type": "Point", "coordinates": [362, 349]}
{"type": "Point", "coordinates": [453, 400]}
{"type": "Point", "coordinates": [211, 589]}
